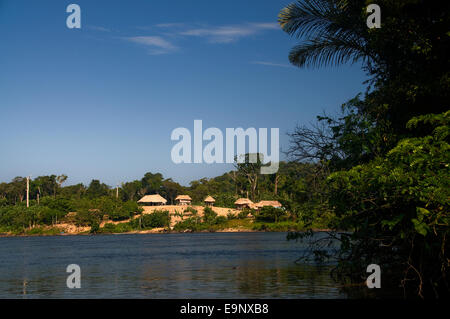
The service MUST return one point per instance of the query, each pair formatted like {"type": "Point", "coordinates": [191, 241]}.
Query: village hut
{"type": "Point", "coordinates": [183, 200]}
{"type": "Point", "coordinates": [272, 203]}
{"type": "Point", "coordinates": [152, 200]}
{"type": "Point", "coordinates": [242, 203]}
{"type": "Point", "coordinates": [209, 201]}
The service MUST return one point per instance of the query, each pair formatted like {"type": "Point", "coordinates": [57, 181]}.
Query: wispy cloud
{"type": "Point", "coordinates": [273, 64]}
{"type": "Point", "coordinates": [98, 28]}
{"type": "Point", "coordinates": [170, 25]}
{"type": "Point", "coordinates": [167, 33]}
{"type": "Point", "coordinates": [221, 34]}
{"type": "Point", "coordinates": [156, 45]}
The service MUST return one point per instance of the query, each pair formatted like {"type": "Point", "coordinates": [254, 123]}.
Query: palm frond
{"type": "Point", "coordinates": [308, 17]}
{"type": "Point", "coordinates": [332, 31]}
{"type": "Point", "coordinates": [329, 50]}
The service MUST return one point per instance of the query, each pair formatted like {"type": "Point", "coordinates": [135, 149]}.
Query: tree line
{"type": "Point", "coordinates": [292, 184]}
{"type": "Point", "coordinates": [295, 185]}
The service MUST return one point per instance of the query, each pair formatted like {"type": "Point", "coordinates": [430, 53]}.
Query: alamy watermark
{"type": "Point", "coordinates": [213, 152]}
{"type": "Point", "coordinates": [73, 21]}
{"type": "Point", "coordinates": [74, 279]}
{"type": "Point", "coordinates": [374, 19]}
{"type": "Point", "coordinates": [374, 279]}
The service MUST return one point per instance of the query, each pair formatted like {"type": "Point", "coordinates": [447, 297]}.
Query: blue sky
{"type": "Point", "coordinates": [101, 102]}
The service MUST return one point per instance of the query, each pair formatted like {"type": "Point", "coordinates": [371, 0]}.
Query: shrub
{"type": "Point", "coordinates": [191, 210]}
{"type": "Point", "coordinates": [245, 212]}
{"type": "Point", "coordinates": [220, 220]}
{"type": "Point", "coordinates": [94, 228]}
{"type": "Point", "coordinates": [116, 228]}
{"type": "Point", "coordinates": [3, 202]}
{"type": "Point", "coordinates": [153, 220]}
{"type": "Point", "coordinates": [231, 216]}
{"type": "Point", "coordinates": [124, 211]}
{"type": "Point", "coordinates": [270, 214]}
{"type": "Point", "coordinates": [209, 215]}
{"type": "Point", "coordinates": [192, 223]}
{"type": "Point", "coordinates": [19, 216]}
{"type": "Point", "coordinates": [86, 217]}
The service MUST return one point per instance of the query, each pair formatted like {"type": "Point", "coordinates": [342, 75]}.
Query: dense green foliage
{"type": "Point", "coordinates": [384, 161]}
{"type": "Point", "coordinates": [209, 216]}
{"type": "Point", "coordinates": [270, 214]}
{"type": "Point", "coordinates": [17, 217]}
{"type": "Point", "coordinates": [51, 210]}
{"type": "Point", "coordinates": [398, 207]}
{"type": "Point", "coordinates": [154, 220]}
{"type": "Point", "coordinates": [158, 219]}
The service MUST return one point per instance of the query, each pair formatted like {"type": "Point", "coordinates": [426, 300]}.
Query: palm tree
{"type": "Point", "coordinates": [60, 180]}
{"type": "Point", "coordinates": [332, 32]}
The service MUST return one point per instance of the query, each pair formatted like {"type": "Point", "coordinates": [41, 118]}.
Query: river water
{"type": "Point", "coordinates": [199, 265]}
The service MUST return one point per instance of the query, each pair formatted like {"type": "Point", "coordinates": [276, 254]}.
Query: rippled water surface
{"type": "Point", "coordinates": [203, 265]}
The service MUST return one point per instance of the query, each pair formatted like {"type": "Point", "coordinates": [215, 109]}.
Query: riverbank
{"type": "Point", "coordinates": [163, 219]}
{"type": "Point", "coordinates": [235, 227]}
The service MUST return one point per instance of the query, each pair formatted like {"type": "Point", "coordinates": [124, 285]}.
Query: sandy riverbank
{"type": "Point", "coordinates": [177, 214]}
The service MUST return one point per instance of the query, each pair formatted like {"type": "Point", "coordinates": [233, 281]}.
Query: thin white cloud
{"type": "Point", "coordinates": [225, 33]}
{"type": "Point", "coordinates": [266, 26]}
{"type": "Point", "coordinates": [156, 44]}
{"type": "Point", "coordinates": [98, 28]}
{"type": "Point", "coordinates": [170, 25]}
{"type": "Point", "coordinates": [273, 64]}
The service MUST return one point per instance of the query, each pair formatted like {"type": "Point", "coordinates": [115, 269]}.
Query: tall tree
{"type": "Point", "coordinates": [60, 180]}
{"type": "Point", "coordinates": [152, 183]}
{"type": "Point", "coordinates": [250, 168]}
{"type": "Point", "coordinates": [97, 189]}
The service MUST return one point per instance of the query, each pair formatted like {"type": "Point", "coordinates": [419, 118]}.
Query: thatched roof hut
{"type": "Point", "coordinates": [243, 203]}
{"type": "Point", "coordinates": [273, 203]}
{"type": "Point", "coordinates": [155, 199]}
{"type": "Point", "coordinates": [209, 201]}
{"type": "Point", "coordinates": [183, 200]}
{"type": "Point", "coordinates": [183, 197]}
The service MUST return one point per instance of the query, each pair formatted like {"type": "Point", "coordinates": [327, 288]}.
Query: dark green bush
{"type": "Point", "coordinates": [111, 228]}
{"type": "Point", "coordinates": [86, 217]}
{"type": "Point", "coordinates": [209, 215]}
{"type": "Point", "coordinates": [60, 204]}
{"type": "Point", "coordinates": [153, 220]}
{"type": "Point", "coordinates": [270, 214]}
{"type": "Point", "coordinates": [192, 224]}
{"type": "Point", "coordinates": [123, 211]}
{"type": "Point", "coordinates": [94, 228]}
{"type": "Point", "coordinates": [245, 212]}
{"type": "Point", "coordinates": [220, 220]}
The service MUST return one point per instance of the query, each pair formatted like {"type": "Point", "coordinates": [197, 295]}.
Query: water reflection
{"type": "Point", "coordinates": [213, 265]}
